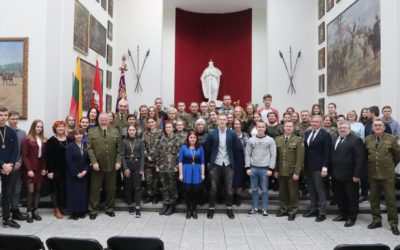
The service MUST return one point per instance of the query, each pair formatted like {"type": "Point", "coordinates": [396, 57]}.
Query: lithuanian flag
{"type": "Point", "coordinates": [76, 99]}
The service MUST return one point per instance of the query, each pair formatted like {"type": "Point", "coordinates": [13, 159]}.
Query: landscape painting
{"type": "Point", "coordinates": [81, 28]}
{"type": "Point", "coordinates": [98, 37]}
{"type": "Point", "coordinates": [354, 48]}
{"type": "Point", "coordinates": [14, 75]}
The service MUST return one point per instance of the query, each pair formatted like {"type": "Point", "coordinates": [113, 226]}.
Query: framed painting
{"type": "Point", "coordinates": [321, 103]}
{"type": "Point", "coordinates": [321, 58]}
{"type": "Point", "coordinates": [104, 4]}
{"type": "Point", "coordinates": [14, 74]}
{"type": "Point", "coordinates": [108, 102]}
{"type": "Point", "coordinates": [97, 37]}
{"type": "Point", "coordinates": [109, 79]}
{"type": "Point", "coordinates": [321, 83]}
{"type": "Point", "coordinates": [111, 7]}
{"type": "Point", "coordinates": [87, 75]}
{"type": "Point", "coordinates": [109, 30]}
{"type": "Point", "coordinates": [321, 8]}
{"type": "Point", "coordinates": [109, 55]}
{"type": "Point", "coordinates": [354, 48]}
{"type": "Point", "coordinates": [321, 33]}
{"type": "Point", "coordinates": [329, 4]}
{"type": "Point", "coordinates": [81, 28]}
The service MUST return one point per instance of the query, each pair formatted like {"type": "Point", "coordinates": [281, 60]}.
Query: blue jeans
{"type": "Point", "coordinates": [259, 178]}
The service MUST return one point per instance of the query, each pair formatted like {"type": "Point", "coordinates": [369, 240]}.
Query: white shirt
{"type": "Point", "coordinates": [39, 142]}
{"type": "Point", "coordinates": [338, 140]}
{"type": "Point", "coordinates": [311, 135]}
{"type": "Point", "coordinates": [222, 155]}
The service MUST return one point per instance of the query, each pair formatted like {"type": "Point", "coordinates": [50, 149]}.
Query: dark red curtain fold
{"type": "Point", "coordinates": [223, 38]}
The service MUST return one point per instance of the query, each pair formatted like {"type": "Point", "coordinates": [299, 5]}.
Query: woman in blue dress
{"type": "Point", "coordinates": [77, 178]}
{"type": "Point", "coordinates": [191, 172]}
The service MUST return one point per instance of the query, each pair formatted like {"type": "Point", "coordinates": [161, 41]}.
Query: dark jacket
{"type": "Point", "coordinates": [212, 144]}
{"type": "Point", "coordinates": [317, 153]}
{"type": "Point", "coordinates": [348, 158]}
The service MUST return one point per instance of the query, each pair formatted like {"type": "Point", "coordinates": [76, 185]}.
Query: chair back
{"type": "Point", "coordinates": [362, 247]}
{"type": "Point", "coordinates": [20, 242]}
{"type": "Point", "coordinates": [59, 243]}
{"type": "Point", "coordinates": [134, 243]}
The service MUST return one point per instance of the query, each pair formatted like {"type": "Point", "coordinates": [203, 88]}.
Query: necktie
{"type": "Point", "coordinates": [340, 142]}
{"type": "Point", "coordinates": [312, 136]}
{"type": "Point", "coordinates": [377, 142]}
{"type": "Point", "coordinates": [286, 140]}
{"type": "Point", "coordinates": [105, 133]}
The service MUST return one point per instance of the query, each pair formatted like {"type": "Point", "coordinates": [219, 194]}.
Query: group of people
{"type": "Point", "coordinates": [200, 155]}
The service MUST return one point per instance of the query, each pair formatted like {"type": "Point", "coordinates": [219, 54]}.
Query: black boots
{"type": "Point", "coordinates": [29, 217]}
{"type": "Point", "coordinates": [171, 209]}
{"type": "Point", "coordinates": [17, 215]}
{"type": "Point", "coordinates": [237, 200]}
{"type": "Point", "coordinates": [164, 209]}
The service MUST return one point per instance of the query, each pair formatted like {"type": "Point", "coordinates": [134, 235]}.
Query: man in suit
{"type": "Point", "coordinates": [317, 145]}
{"type": "Point", "coordinates": [347, 159]}
{"type": "Point", "coordinates": [383, 155]}
{"type": "Point", "coordinates": [220, 145]}
{"type": "Point", "coordinates": [104, 149]}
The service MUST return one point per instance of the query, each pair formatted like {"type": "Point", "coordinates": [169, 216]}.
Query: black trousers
{"type": "Point", "coordinates": [224, 173]}
{"type": "Point", "coordinates": [133, 186]}
{"type": "Point", "coordinates": [6, 196]}
{"type": "Point", "coordinates": [346, 197]}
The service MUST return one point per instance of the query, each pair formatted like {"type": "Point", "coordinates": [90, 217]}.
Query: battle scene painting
{"type": "Point", "coordinates": [354, 48]}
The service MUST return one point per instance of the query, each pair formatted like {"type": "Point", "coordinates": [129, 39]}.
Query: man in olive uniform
{"type": "Point", "coordinates": [104, 149]}
{"type": "Point", "coordinates": [193, 116]}
{"type": "Point", "coordinates": [121, 117]}
{"type": "Point", "coordinates": [213, 121]}
{"type": "Point", "coordinates": [383, 155]}
{"type": "Point", "coordinates": [290, 152]}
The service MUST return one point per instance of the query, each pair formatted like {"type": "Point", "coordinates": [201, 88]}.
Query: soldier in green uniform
{"type": "Point", "coordinates": [193, 116]}
{"type": "Point", "coordinates": [121, 117]}
{"type": "Point", "coordinates": [167, 166]}
{"type": "Point", "coordinates": [180, 132]}
{"type": "Point", "coordinates": [104, 149]}
{"type": "Point", "coordinates": [151, 138]}
{"type": "Point", "coordinates": [213, 121]}
{"type": "Point", "coordinates": [290, 158]}
{"type": "Point", "coordinates": [383, 155]}
{"type": "Point", "coordinates": [182, 115]}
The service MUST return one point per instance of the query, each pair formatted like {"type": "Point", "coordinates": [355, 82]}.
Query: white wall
{"type": "Point", "coordinates": [288, 24]}
{"type": "Point", "coordinates": [388, 91]}
{"type": "Point", "coordinates": [139, 22]}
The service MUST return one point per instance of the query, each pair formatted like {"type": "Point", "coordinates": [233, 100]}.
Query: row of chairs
{"type": "Point", "coordinates": [32, 242]}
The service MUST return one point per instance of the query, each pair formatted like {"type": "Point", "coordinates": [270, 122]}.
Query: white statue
{"type": "Point", "coordinates": [210, 81]}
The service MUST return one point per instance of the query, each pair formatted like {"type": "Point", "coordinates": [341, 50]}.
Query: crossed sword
{"type": "Point", "coordinates": [138, 87]}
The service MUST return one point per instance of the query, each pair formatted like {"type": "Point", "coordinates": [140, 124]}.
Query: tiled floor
{"type": "Point", "coordinates": [244, 232]}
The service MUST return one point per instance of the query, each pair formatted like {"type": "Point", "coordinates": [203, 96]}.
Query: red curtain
{"type": "Point", "coordinates": [223, 38]}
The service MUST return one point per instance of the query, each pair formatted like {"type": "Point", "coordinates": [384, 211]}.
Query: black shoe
{"type": "Point", "coordinates": [74, 217]}
{"type": "Point", "coordinates": [17, 215]}
{"type": "Point", "coordinates": [194, 215]}
{"type": "Point", "coordinates": [82, 215]}
{"type": "Point", "coordinates": [291, 217]}
{"type": "Point", "coordinates": [374, 225]}
{"type": "Point", "coordinates": [13, 224]}
{"type": "Point", "coordinates": [35, 215]}
{"type": "Point", "coordinates": [236, 200]}
{"type": "Point", "coordinates": [92, 216]}
{"type": "Point", "coordinates": [333, 203]}
{"type": "Point", "coordinates": [156, 199]}
{"type": "Point", "coordinates": [29, 217]}
{"type": "Point", "coordinates": [111, 214]}
{"type": "Point", "coordinates": [188, 214]}
{"type": "Point", "coordinates": [170, 210]}
{"type": "Point", "coordinates": [148, 199]}
{"type": "Point", "coordinates": [131, 210]}
{"type": "Point", "coordinates": [395, 230]}
{"type": "Point", "coordinates": [137, 213]}
{"type": "Point", "coordinates": [363, 199]}
{"type": "Point", "coordinates": [310, 214]}
{"type": "Point", "coordinates": [320, 218]}
{"type": "Point", "coordinates": [210, 213]}
{"type": "Point", "coordinates": [340, 218]}
{"type": "Point", "coordinates": [164, 209]}
{"type": "Point", "coordinates": [281, 214]}
{"type": "Point", "coordinates": [230, 214]}
{"type": "Point", "coordinates": [349, 223]}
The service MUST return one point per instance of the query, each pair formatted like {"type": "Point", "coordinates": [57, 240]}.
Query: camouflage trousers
{"type": "Point", "coordinates": [152, 178]}
{"type": "Point", "coordinates": [169, 187]}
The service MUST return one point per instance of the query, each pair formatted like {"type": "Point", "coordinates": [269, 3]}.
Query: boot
{"type": "Point", "coordinates": [17, 215]}
{"type": "Point", "coordinates": [35, 215]}
{"type": "Point", "coordinates": [29, 217]}
{"type": "Point", "coordinates": [170, 210]}
{"type": "Point", "coordinates": [148, 199]}
{"type": "Point", "coordinates": [236, 200]}
{"type": "Point", "coordinates": [57, 213]}
{"type": "Point", "coordinates": [164, 209]}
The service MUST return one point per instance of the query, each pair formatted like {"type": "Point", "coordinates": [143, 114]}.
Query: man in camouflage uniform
{"type": "Point", "coordinates": [182, 115]}
{"type": "Point", "coordinates": [204, 111]}
{"type": "Point", "coordinates": [104, 150]}
{"type": "Point", "coordinates": [383, 155]}
{"type": "Point", "coordinates": [167, 166]}
{"type": "Point", "coordinates": [213, 122]}
{"type": "Point", "coordinates": [290, 158]}
{"type": "Point", "coordinates": [305, 123]}
{"type": "Point", "coordinates": [193, 116]}
{"type": "Point", "coordinates": [151, 140]}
